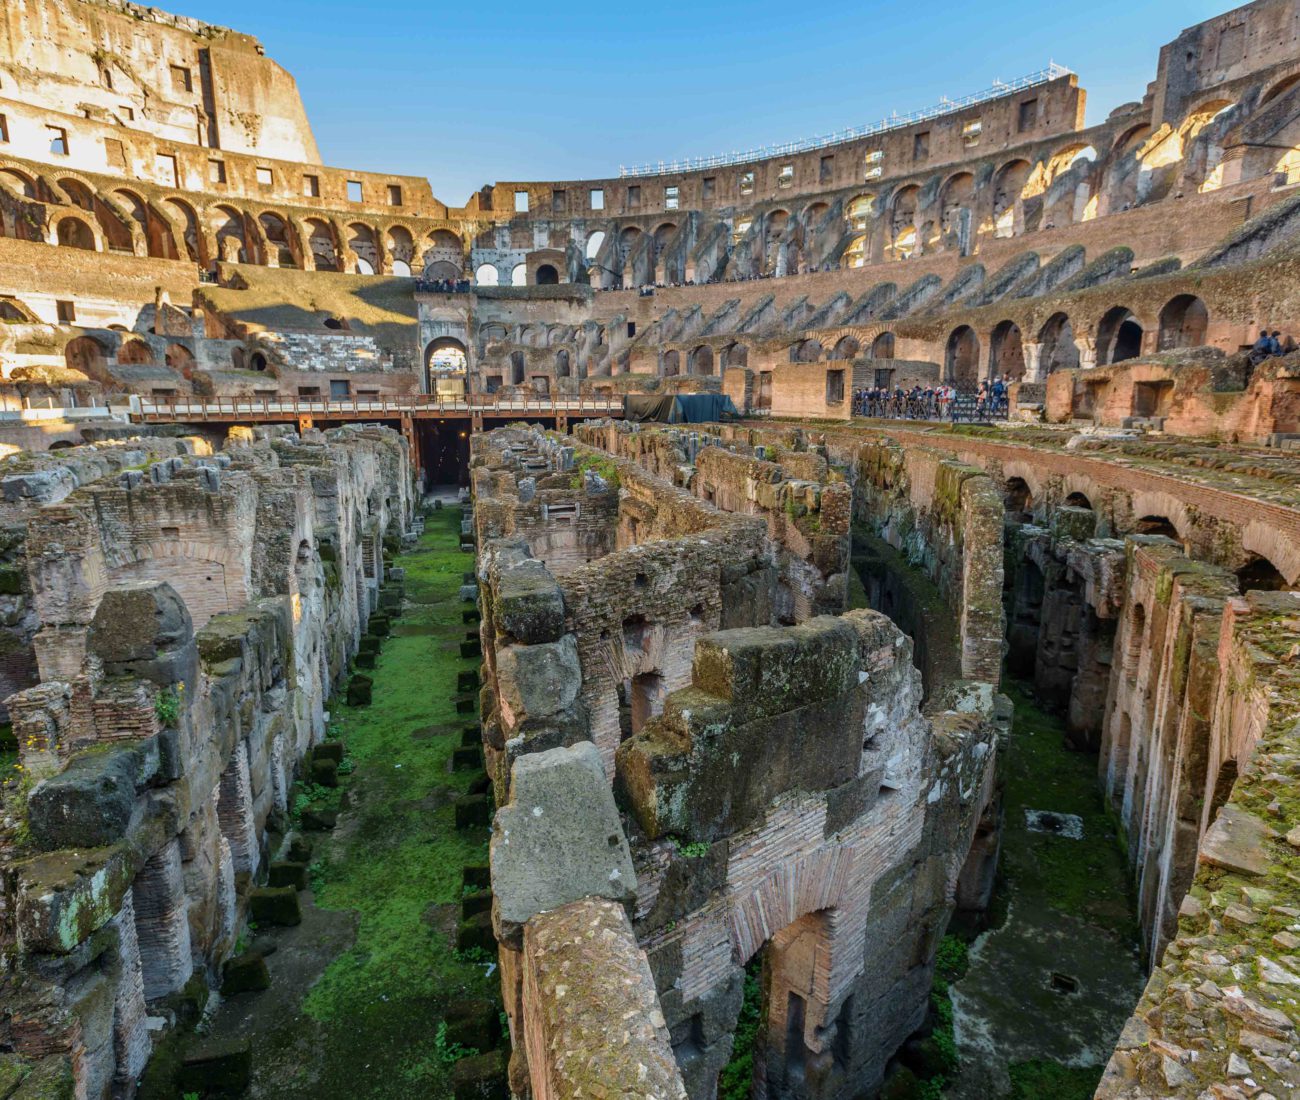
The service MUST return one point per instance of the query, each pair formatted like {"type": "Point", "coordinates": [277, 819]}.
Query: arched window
{"type": "Point", "coordinates": [1261, 575]}
{"type": "Point", "coordinates": [74, 233]}
{"type": "Point", "coordinates": [519, 275]}
{"type": "Point", "coordinates": [486, 275]}
{"type": "Point", "coordinates": [882, 347]}
{"type": "Point", "coordinates": [962, 358]}
{"type": "Point", "coordinates": [847, 347]}
{"type": "Point", "coordinates": [547, 275]}
{"type": "Point", "coordinates": [594, 243]}
{"type": "Point", "coordinates": [444, 356]}
{"type": "Point", "coordinates": [1007, 351]}
{"type": "Point", "coordinates": [702, 360]}
{"type": "Point", "coordinates": [1058, 349]}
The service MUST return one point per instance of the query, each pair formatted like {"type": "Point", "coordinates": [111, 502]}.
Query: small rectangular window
{"type": "Point", "coordinates": [4, 129]}
{"type": "Point", "coordinates": [598, 198]}
{"type": "Point", "coordinates": [128, 113]}
{"type": "Point", "coordinates": [164, 169]}
{"type": "Point", "coordinates": [559, 202]}
{"type": "Point", "coordinates": [340, 387]}
{"type": "Point", "coordinates": [707, 186]}
{"type": "Point", "coordinates": [181, 80]}
{"type": "Point", "coordinates": [970, 133]}
{"type": "Point", "coordinates": [834, 387]}
{"type": "Point", "coordinates": [264, 177]}
{"type": "Point", "coordinates": [1028, 116]}
{"type": "Point", "coordinates": [308, 391]}
{"type": "Point", "coordinates": [355, 193]}
{"type": "Point", "coordinates": [786, 176]}
{"type": "Point", "coordinates": [670, 198]}
{"type": "Point", "coordinates": [311, 186]}
{"type": "Point", "coordinates": [826, 169]}
{"type": "Point", "coordinates": [67, 312]}
{"type": "Point", "coordinates": [521, 202]}
{"type": "Point", "coordinates": [106, 78]}
{"type": "Point", "coordinates": [631, 328]}
{"type": "Point", "coordinates": [921, 145]}
{"type": "Point", "coordinates": [746, 183]}
{"type": "Point", "coordinates": [58, 140]}
{"type": "Point", "coordinates": [634, 195]}
{"type": "Point", "coordinates": [216, 171]}
{"type": "Point", "coordinates": [394, 195]}
{"type": "Point", "coordinates": [873, 172]}
{"type": "Point", "coordinates": [115, 154]}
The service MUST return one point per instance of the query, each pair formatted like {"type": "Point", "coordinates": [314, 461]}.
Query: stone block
{"type": "Point", "coordinates": [471, 649]}
{"type": "Point", "coordinates": [319, 821]}
{"type": "Point", "coordinates": [466, 705]}
{"type": "Point", "coordinates": [467, 679]}
{"type": "Point", "coordinates": [287, 872]}
{"type": "Point", "coordinates": [359, 689]}
{"type": "Point", "coordinates": [477, 875]}
{"type": "Point", "coordinates": [143, 629]}
{"type": "Point", "coordinates": [277, 905]}
{"type": "Point", "coordinates": [473, 810]}
{"type": "Point", "coordinates": [478, 902]}
{"type": "Point", "coordinates": [476, 932]}
{"type": "Point", "coordinates": [470, 615]}
{"type": "Point", "coordinates": [366, 661]}
{"type": "Point", "coordinates": [1079, 524]}
{"type": "Point", "coordinates": [379, 625]}
{"type": "Point", "coordinates": [369, 643]}
{"type": "Point", "coordinates": [91, 802]}
{"type": "Point", "coordinates": [298, 850]}
{"type": "Point", "coordinates": [224, 1068]}
{"type": "Point", "coordinates": [329, 750]}
{"type": "Point", "coordinates": [471, 735]}
{"type": "Point", "coordinates": [559, 838]}
{"type": "Point", "coordinates": [483, 1077]}
{"type": "Point", "coordinates": [246, 973]}
{"type": "Point", "coordinates": [324, 772]}
{"type": "Point", "coordinates": [467, 759]}
{"type": "Point", "coordinates": [474, 1024]}
{"type": "Point", "coordinates": [529, 604]}
{"type": "Point", "coordinates": [480, 784]}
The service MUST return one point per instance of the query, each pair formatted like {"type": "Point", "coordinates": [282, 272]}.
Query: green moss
{"type": "Point", "coordinates": [736, 1082]}
{"type": "Point", "coordinates": [1040, 1080]}
{"type": "Point", "coordinates": [604, 468]}
{"type": "Point", "coordinates": [380, 1001]}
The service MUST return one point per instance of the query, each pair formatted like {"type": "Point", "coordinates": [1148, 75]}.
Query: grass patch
{"type": "Point", "coordinates": [736, 1082]}
{"type": "Point", "coordinates": [397, 854]}
{"type": "Point", "coordinates": [1040, 1080]}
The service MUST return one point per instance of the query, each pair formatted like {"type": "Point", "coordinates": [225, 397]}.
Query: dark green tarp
{"type": "Point", "coordinates": [684, 408]}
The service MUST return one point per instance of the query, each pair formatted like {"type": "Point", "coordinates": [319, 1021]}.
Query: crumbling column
{"type": "Point", "coordinates": [130, 1036]}
{"type": "Point", "coordinates": [162, 922]}
{"type": "Point", "coordinates": [235, 811]}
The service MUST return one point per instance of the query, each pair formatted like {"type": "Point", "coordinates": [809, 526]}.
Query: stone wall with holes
{"type": "Point", "coordinates": [779, 785]}
{"type": "Point", "coordinates": [170, 720]}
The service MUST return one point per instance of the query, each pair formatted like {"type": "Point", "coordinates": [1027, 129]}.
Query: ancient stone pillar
{"type": "Point", "coordinates": [235, 811]}
{"type": "Point", "coordinates": [131, 1045]}
{"type": "Point", "coordinates": [1033, 362]}
{"type": "Point", "coordinates": [162, 922]}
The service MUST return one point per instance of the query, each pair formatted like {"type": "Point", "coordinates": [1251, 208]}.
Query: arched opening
{"type": "Point", "coordinates": [486, 275]}
{"type": "Point", "coordinates": [1261, 575]}
{"type": "Point", "coordinates": [1119, 336]}
{"type": "Point", "coordinates": [882, 347]}
{"type": "Point", "coordinates": [805, 351]}
{"type": "Point", "coordinates": [671, 364]}
{"type": "Point", "coordinates": [364, 246]}
{"type": "Point", "coordinates": [276, 231]}
{"type": "Point", "coordinates": [735, 355]}
{"type": "Point", "coordinates": [155, 234]}
{"type": "Point", "coordinates": [1156, 525]}
{"type": "Point", "coordinates": [179, 358]}
{"type": "Point", "coordinates": [1017, 500]}
{"type": "Point", "coordinates": [861, 210]}
{"type": "Point", "coordinates": [594, 244]}
{"type": "Point", "coordinates": [228, 230]}
{"type": "Point", "coordinates": [846, 347]}
{"type": "Point", "coordinates": [1078, 500]}
{"type": "Point", "coordinates": [517, 368]}
{"type": "Point", "coordinates": [444, 357]}
{"type": "Point", "coordinates": [74, 233]}
{"type": "Point", "coordinates": [855, 255]}
{"type": "Point", "coordinates": [257, 361]}
{"type": "Point", "coordinates": [962, 358]}
{"type": "Point", "coordinates": [1183, 323]}
{"type": "Point", "coordinates": [702, 360]}
{"type": "Point", "coordinates": [401, 250]}
{"type": "Point", "coordinates": [87, 355]}
{"type": "Point", "coordinates": [902, 222]}
{"type": "Point", "coordinates": [956, 212]}
{"type": "Point", "coordinates": [321, 245]}
{"type": "Point", "coordinates": [135, 352]}
{"type": "Point", "coordinates": [562, 366]}
{"type": "Point", "coordinates": [547, 275]}
{"type": "Point", "coordinates": [190, 235]}
{"type": "Point", "coordinates": [519, 275]}
{"type": "Point", "coordinates": [1008, 191]}
{"type": "Point", "coordinates": [1058, 350]}
{"type": "Point", "coordinates": [1007, 351]}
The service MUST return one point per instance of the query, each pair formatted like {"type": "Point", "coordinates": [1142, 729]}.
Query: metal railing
{"type": "Point", "coordinates": [225, 408]}
{"type": "Point", "coordinates": [895, 121]}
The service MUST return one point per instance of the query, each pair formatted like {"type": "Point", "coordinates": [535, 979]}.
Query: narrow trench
{"type": "Point", "coordinates": [1030, 996]}
{"type": "Point", "coordinates": [393, 937]}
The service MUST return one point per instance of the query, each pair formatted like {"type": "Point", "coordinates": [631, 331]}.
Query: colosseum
{"type": "Point", "coordinates": [816, 623]}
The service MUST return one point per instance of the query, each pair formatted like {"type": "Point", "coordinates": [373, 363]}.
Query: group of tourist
{"type": "Point", "coordinates": [943, 402]}
{"type": "Point", "coordinates": [443, 286]}
{"type": "Point", "coordinates": [1270, 345]}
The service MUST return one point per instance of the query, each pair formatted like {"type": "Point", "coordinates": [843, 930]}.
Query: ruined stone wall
{"type": "Point", "coordinates": [163, 754]}
{"type": "Point", "coordinates": [1219, 1014]}
{"type": "Point", "coordinates": [947, 520]}
{"type": "Point", "coordinates": [781, 784]}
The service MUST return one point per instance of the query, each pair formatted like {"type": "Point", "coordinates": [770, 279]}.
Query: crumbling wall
{"type": "Point", "coordinates": [1219, 1014]}
{"type": "Point", "coordinates": [157, 756]}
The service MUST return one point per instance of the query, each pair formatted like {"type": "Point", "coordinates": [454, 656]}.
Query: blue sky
{"type": "Point", "coordinates": [473, 93]}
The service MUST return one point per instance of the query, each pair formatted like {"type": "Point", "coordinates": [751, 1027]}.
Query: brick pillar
{"type": "Point", "coordinates": [235, 811]}
{"type": "Point", "coordinates": [162, 922]}
{"type": "Point", "coordinates": [131, 1045]}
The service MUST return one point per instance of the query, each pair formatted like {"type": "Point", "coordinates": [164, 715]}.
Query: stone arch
{"type": "Point", "coordinates": [563, 367]}
{"type": "Point", "coordinates": [487, 275]}
{"type": "Point", "coordinates": [444, 250]}
{"type": "Point", "coordinates": [73, 232]}
{"type": "Point", "coordinates": [401, 249]}
{"type": "Point", "coordinates": [1119, 336]}
{"type": "Point", "coordinates": [903, 207]}
{"type": "Point", "coordinates": [519, 275]}
{"type": "Point", "coordinates": [208, 577]}
{"type": "Point", "coordinates": [279, 242]}
{"type": "Point", "coordinates": [1006, 351]}
{"type": "Point", "coordinates": [670, 365]}
{"type": "Point", "coordinates": [1057, 349]}
{"type": "Point", "coordinates": [701, 361]}
{"type": "Point", "coordinates": [1018, 499]}
{"type": "Point", "coordinates": [882, 347]}
{"type": "Point", "coordinates": [594, 243]}
{"type": "Point", "coordinates": [89, 355]}
{"type": "Point", "coordinates": [364, 246]}
{"type": "Point", "coordinates": [322, 244]}
{"type": "Point", "coordinates": [135, 351]}
{"type": "Point", "coordinates": [230, 234]}
{"type": "Point", "coordinates": [956, 211]}
{"type": "Point", "coordinates": [179, 358]}
{"type": "Point", "coordinates": [154, 232]}
{"type": "Point", "coordinates": [1009, 183]}
{"type": "Point", "coordinates": [18, 181]}
{"type": "Point", "coordinates": [1283, 554]}
{"type": "Point", "coordinates": [861, 210]}
{"type": "Point", "coordinates": [547, 275]}
{"type": "Point", "coordinates": [445, 355]}
{"type": "Point", "coordinates": [1184, 321]}
{"type": "Point", "coordinates": [735, 355]}
{"type": "Point", "coordinates": [962, 357]}
{"type": "Point", "coordinates": [846, 347]}
{"type": "Point", "coordinates": [805, 351]}
{"type": "Point", "coordinates": [188, 222]}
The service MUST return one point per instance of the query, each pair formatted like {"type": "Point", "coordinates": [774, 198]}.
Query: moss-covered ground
{"type": "Point", "coordinates": [365, 1023]}
{"type": "Point", "coordinates": [1062, 906]}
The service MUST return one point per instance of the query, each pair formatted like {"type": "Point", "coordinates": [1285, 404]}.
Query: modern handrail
{"type": "Point", "coordinates": [895, 121]}
{"type": "Point", "coordinates": [378, 406]}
